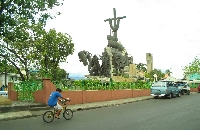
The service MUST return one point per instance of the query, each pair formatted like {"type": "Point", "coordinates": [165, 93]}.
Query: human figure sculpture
{"type": "Point", "coordinates": [155, 77]}
{"type": "Point", "coordinates": [95, 68]}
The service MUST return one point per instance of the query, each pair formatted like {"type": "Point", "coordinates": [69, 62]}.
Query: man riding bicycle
{"type": "Point", "coordinates": [53, 101]}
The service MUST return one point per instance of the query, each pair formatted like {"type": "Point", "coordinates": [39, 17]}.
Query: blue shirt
{"type": "Point", "coordinates": [53, 98]}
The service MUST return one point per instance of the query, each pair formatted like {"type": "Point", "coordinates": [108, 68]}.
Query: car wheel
{"type": "Point", "coordinates": [179, 94]}
{"type": "Point", "coordinates": [188, 92]}
{"type": "Point", "coordinates": [170, 95]}
{"type": "Point", "coordinates": [156, 97]}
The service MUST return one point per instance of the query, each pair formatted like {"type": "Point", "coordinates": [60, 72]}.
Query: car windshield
{"type": "Point", "coordinates": [159, 84]}
{"type": "Point", "coordinates": [180, 83]}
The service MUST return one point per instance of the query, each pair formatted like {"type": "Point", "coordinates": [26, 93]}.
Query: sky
{"type": "Point", "coordinates": [169, 29]}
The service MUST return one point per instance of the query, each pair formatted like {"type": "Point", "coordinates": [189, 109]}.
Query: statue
{"type": "Point", "coordinates": [155, 77]}
{"type": "Point", "coordinates": [113, 58]}
{"type": "Point", "coordinates": [93, 63]}
{"type": "Point", "coordinates": [95, 68]}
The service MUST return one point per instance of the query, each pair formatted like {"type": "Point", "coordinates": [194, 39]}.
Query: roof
{"type": "Point", "coordinates": [170, 78]}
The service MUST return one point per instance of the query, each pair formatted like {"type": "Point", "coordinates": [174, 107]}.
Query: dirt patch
{"type": "Point", "coordinates": [5, 101]}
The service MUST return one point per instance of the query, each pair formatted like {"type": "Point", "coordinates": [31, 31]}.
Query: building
{"type": "Point", "coordinates": [11, 77]}
{"type": "Point", "coordinates": [194, 76]}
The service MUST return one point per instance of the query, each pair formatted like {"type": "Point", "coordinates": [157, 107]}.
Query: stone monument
{"type": "Point", "coordinates": [115, 59]}
{"type": "Point", "coordinates": [149, 59]}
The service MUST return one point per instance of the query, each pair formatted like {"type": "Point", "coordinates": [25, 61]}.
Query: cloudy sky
{"type": "Point", "coordinates": [169, 29]}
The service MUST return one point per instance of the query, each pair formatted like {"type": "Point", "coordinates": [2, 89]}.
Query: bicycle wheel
{"type": "Point", "coordinates": [48, 116]}
{"type": "Point", "coordinates": [68, 114]}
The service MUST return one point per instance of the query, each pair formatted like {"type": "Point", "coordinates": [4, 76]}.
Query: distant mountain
{"type": "Point", "coordinates": [76, 76]}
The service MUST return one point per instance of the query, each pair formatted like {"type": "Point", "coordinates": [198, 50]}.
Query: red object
{"type": "Point", "coordinates": [198, 88]}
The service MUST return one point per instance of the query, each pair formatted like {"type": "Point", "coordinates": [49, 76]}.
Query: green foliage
{"type": "Point", "coordinates": [51, 49]}
{"type": "Point", "coordinates": [25, 89]}
{"type": "Point", "coordinates": [98, 85]}
{"type": "Point", "coordinates": [141, 67]}
{"type": "Point", "coordinates": [168, 72]}
{"type": "Point", "coordinates": [193, 67]}
{"type": "Point", "coordinates": [158, 72]}
{"type": "Point", "coordinates": [34, 10]}
{"type": "Point", "coordinates": [33, 48]}
{"type": "Point", "coordinates": [61, 74]}
{"type": "Point", "coordinates": [9, 68]}
{"type": "Point", "coordinates": [19, 20]}
{"type": "Point", "coordinates": [193, 85]}
{"type": "Point", "coordinates": [18, 49]}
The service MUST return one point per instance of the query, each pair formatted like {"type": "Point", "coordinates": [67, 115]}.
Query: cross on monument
{"type": "Point", "coordinates": [114, 27]}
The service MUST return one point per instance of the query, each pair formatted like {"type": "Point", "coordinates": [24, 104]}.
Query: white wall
{"type": "Point", "coordinates": [2, 78]}
{"type": "Point", "coordinates": [8, 79]}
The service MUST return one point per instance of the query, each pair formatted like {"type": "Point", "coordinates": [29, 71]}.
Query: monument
{"type": "Point", "coordinates": [149, 59]}
{"type": "Point", "coordinates": [115, 60]}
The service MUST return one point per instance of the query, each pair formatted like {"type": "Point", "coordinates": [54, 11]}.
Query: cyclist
{"type": "Point", "coordinates": [53, 101]}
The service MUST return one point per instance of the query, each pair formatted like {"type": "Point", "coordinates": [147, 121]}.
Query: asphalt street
{"type": "Point", "coordinates": [179, 113]}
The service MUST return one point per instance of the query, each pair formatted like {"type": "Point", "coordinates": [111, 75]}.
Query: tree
{"type": "Point", "coordinates": [61, 74]}
{"type": "Point", "coordinates": [158, 72]}
{"type": "Point", "coordinates": [10, 68]}
{"type": "Point", "coordinates": [32, 47]}
{"type": "Point", "coordinates": [16, 13]}
{"type": "Point", "coordinates": [193, 67]}
{"type": "Point", "coordinates": [34, 10]}
{"type": "Point", "coordinates": [141, 67]}
{"type": "Point", "coordinates": [168, 72]}
{"type": "Point", "coordinates": [19, 51]}
{"type": "Point", "coordinates": [51, 49]}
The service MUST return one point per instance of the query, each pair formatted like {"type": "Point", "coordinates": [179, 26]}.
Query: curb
{"type": "Point", "coordinates": [108, 105]}
{"type": "Point", "coordinates": [15, 118]}
{"type": "Point", "coordinates": [20, 108]}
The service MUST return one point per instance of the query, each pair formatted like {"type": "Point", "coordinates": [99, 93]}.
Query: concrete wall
{"type": "Point", "coordinates": [12, 95]}
{"type": "Point", "coordinates": [80, 97]}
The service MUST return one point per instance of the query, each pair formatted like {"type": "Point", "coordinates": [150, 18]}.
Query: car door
{"type": "Point", "coordinates": [172, 88]}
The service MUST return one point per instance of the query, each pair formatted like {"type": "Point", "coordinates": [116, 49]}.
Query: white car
{"type": "Point", "coordinates": [183, 87]}
{"type": "Point", "coordinates": [4, 94]}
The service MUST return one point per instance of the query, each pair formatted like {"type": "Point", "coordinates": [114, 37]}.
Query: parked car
{"type": "Point", "coordinates": [183, 87]}
{"type": "Point", "coordinates": [4, 94]}
{"type": "Point", "coordinates": [164, 89]}
{"type": "Point", "coordinates": [198, 88]}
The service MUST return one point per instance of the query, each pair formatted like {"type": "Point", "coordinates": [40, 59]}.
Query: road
{"type": "Point", "coordinates": [179, 113]}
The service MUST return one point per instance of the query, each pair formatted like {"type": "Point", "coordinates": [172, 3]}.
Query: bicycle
{"type": "Point", "coordinates": [67, 114]}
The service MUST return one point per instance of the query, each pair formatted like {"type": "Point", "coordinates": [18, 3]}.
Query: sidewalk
{"type": "Point", "coordinates": [77, 107]}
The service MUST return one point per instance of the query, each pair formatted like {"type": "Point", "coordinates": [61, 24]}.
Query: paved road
{"type": "Point", "coordinates": [181, 113]}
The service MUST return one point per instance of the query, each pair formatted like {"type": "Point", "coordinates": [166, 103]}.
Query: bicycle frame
{"type": "Point", "coordinates": [63, 107]}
